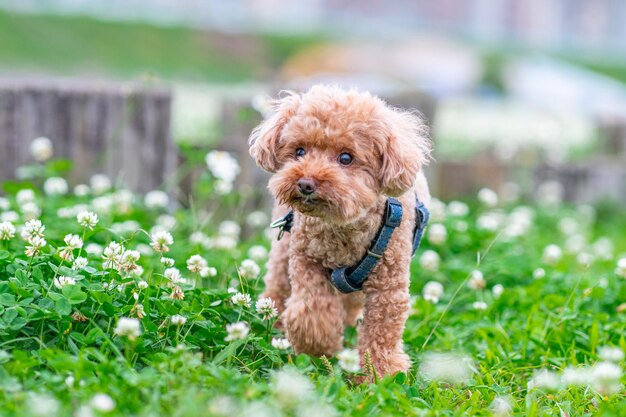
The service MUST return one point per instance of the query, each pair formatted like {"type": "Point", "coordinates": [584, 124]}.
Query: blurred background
{"type": "Point", "coordinates": [526, 97]}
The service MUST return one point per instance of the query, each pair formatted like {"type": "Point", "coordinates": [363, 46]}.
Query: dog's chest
{"type": "Point", "coordinates": [335, 246]}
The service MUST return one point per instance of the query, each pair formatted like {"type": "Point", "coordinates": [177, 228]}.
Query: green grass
{"type": "Point", "coordinates": [51, 358]}
{"type": "Point", "coordinates": [75, 45]}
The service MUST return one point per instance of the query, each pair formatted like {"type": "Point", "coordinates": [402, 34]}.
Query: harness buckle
{"type": "Point", "coordinates": [393, 213]}
{"type": "Point", "coordinates": [284, 224]}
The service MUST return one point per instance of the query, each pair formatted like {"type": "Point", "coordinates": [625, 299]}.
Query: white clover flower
{"type": "Point", "coordinates": [198, 238]}
{"type": "Point", "coordinates": [585, 258]}
{"type": "Point", "coordinates": [452, 368]}
{"type": "Point", "coordinates": [73, 241]}
{"type": "Point", "coordinates": [222, 166]}
{"type": "Point", "coordinates": [539, 273]}
{"type": "Point", "coordinates": [102, 204]}
{"type": "Point", "coordinates": [123, 200]}
{"type": "Point", "coordinates": [280, 343]}
{"type": "Point", "coordinates": [241, 300]}
{"type": "Point", "coordinates": [545, 380]}
{"type": "Point", "coordinates": [79, 263]}
{"type": "Point", "coordinates": [4, 204]}
{"type": "Point", "coordinates": [33, 228]}
{"type": "Point", "coordinates": [208, 271]}
{"type": "Point", "coordinates": [42, 405]}
{"type": "Point", "coordinates": [349, 360]}
{"type": "Point", "coordinates": [100, 184]}
{"type": "Point", "coordinates": [24, 196]}
{"type": "Point", "coordinates": [236, 331]}
{"type": "Point", "coordinates": [36, 244]}
{"type": "Point", "coordinates": [606, 377]}
{"type": "Point", "coordinates": [489, 221]}
{"type": "Point", "coordinates": [41, 149]}
{"type": "Point", "coordinates": [552, 254]}
{"type": "Point", "coordinates": [432, 291]}
{"type": "Point", "coordinates": [488, 197]}
{"type": "Point", "coordinates": [575, 243]}
{"type": "Point", "coordinates": [87, 219]}
{"type": "Point", "coordinates": [258, 253]}
{"type": "Point", "coordinates": [229, 228]}
{"type": "Point", "coordinates": [66, 254]}
{"type": "Point", "coordinates": [430, 260]}
{"type": "Point", "coordinates": [102, 402]}
{"type": "Point", "coordinates": [31, 210]}
{"type": "Point", "coordinates": [178, 320]}
{"type": "Point", "coordinates": [223, 188]}
{"type": "Point", "coordinates": [196, 263]}
{"type": "Point", "coordinates": [94, 249]}
{"type": "Point", "coordinates": [128, 260]}
{"type": "Point", "coordinates": [437, 210]}
{"type": "Point", "coordinates": [257, 219]}
{"type": "Point", "coordinates": [568, 226]}
{"type": "Point", "coordinates": [7, 231]}
{"type": "Point", "coordinates": [249, 269]}
{"type": "Point", "coordinates": [112, 255]}
{"type": "Point", "coordinates": [167, 262]}
{"type": "Point", "coordinates": [161, 241]}
{"type": "Point", "coordinates": [82, 190]}
{"type": "Point", "coordinates": [476, 281]}
{"type": "Point", "coordinates": [128, 327]}
{"type": "Point", "coordinates": [620, 270]}
{"type": "Point", "coordinates": [266, 308]}
{"type": "Point", "coordinates": [437, 234]}
{"type": "Point", "coordinates": [173, 274]}
{"type": "Point", "coordinates": [461, 226]}
{"type": "Point", "coordinates": [9, 216]}
{"type": "Point", "coordinates": [611, 354]}
{"type": "Point", "coordinates": [223, 242]}
{"type": "Point", "coordinates": [166, 222]}
{"type": "Point", "coordinates": [550, 193]}
{"type": "Point", "coordinates": [63, 281]}
{"type": "Point", "coordinates": [156, 199]}
{"type": "Point", "coordinates": [501, 407]}
{"type": "Point", "coordinates": [603, 248]}
{"type": "Point", "coordinates": [55, 186]}
{"type": "Point", "coordinates": [458, 209]}
{"type": "Point", "coordinates": [142, 285]}
{"type": "Point", "coordinates": [497, 290]}
{"type": "Point", "coordinates": [576, 377]}
{"type": "Point", "coordinates": [479, 305]}
{"type": "Point", "coordinates": [291, 387]}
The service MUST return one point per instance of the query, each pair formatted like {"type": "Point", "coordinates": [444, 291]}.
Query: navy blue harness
{"type": "Point", "coordinates": [350, 279]}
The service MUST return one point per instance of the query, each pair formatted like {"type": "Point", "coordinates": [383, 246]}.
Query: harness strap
{"type": "Point", "coordinates": [350, 279]}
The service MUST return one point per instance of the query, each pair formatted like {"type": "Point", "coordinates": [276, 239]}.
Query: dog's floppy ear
{"type": "Point", "coordinates": [404, 151]}
{"type": "Point", "coordinates": [265, 137]}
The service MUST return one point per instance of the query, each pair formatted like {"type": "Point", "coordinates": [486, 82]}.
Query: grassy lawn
{"type": "Point", "coordinates": [126, 335]}
{"type": "Point", "coordinates": [75, 45]}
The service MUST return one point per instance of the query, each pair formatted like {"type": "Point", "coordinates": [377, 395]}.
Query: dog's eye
{"type": "Point", "coordinates": [300, 152]}
{"type": "Point", "coordinates": [345, 158]}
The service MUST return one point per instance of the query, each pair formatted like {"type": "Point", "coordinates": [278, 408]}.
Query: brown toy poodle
{"type": "Point", "coordinates": [350, 191]}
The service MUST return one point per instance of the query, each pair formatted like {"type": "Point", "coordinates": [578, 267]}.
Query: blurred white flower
{"type": "Point", "coordinates": [73, 241]}
{"type": "Point", "coordinates": [196, 263]}
{"type": "Point", "coordinates": [291, 387]}
{"type": "Point", "coordinates": [258, 253]}
{"type": "Point", "coordinates": [266, 308]}
{"type": "Point", "coordinates": [458, 209]}
{"type": "Point", "coordinates": [82, 190]}
{"type": "Point", "coordinates": [208, 271]}
{"type": "Point", "coordinates": [257, 219]}
{"type": "Point", "coordinates": [437, 210]}
{"type": "Point", "coordinates": [430, 260]}
{"type": "Point", "coordinates": [229, 228]}
{"type": "Point", "coordinates": [41, 149]}
{"type": "Point", "coordinates": [606, 377]}
{"type": "Point", "coordinates": [550, 193]}
{"type": "Point", "coordinates": [123, 200]}
{"type": "Point", "coordinates": [178, 320]}
{"type": "Point", "coordinates": [32, 228]}
{"type": "Point", "coordinates": [489, 222]}
{"type": "Point", "coordinates": [87, 219]}
{"type": "Point", "coordinates": [452, 368]}
{"type": "Point", "coordinates": [55, 186]}
{"type": "Point", "coordinates": [620, 270]}
{"type": "Point", "coordinates": [241, 300]}
{"type": "Point", "coordinates": [161, 241]}
{"type": "Point", "coordinates": [102, 204]}
{"type": "Point", "coordinates": [79, 263]}
{"type": "Point", "coordinates": [36, 244]}
{"type": "Point", "coordinates": [437, 234]}
{"type": "Point", "coordinates": [510, 192]}
{"type": "Point", "coordinates": [476, 280]}
{"type": "Point", "coordinates": [223, 242]}
{"type": "Point", "coordinates": [173, 274]}
{"type": "Point", "coordinates": [280, 343]}
{"type": "Point", "coordinates": [144, 249]}
{"type": "Point", "coordinates": [4, 204]}
{"type": "Point", "coordinates": [128, 260]}
{"type": "Point", "coordinates": [31, 210]}
{"type": "Point", "coordinates": [568, 226]}
{"type": "Point", "coordinates": [24, 196]}
{"type": "Point", "coordinates": [432, 291]}
{"type": "Point", "coordinates": [7, 231]}
{"type": "Point", "coordinates": [223, 188]}
{"type": "Point", "coordinates": [9, 216]}
{"type": "Point", "coordinates": [552, 254]}
{"type": "Point", "coordinates": [222, 166]}
{"type": "Point", "coordinates": [167, 262]}
{"type": "Point", "coordinates": [63, 281]}
{"type": "Point", "coordinates": [156, 199]}
{"type": "Point", "coordinates": [142, 285]}
{"type": "Point", "coordinates": [576, 377]}
{"type": "Point", "coordinates": [585, 258]}
{"type": "Point", "coordinates": [94, 249]}
{"type": "Point", "coordinates": [545, 380]}
{"type": "Point", "coordinates": [128, 327]}
{"type": "Point", "coordinates": [497, 290]}
{"type": "Point", "coordinates": [488, 197]}
{"type": "Point", "coordinates": [611, 354]}
{"type": "Point", "coordinates": [100, 184]}
{"type": "Point", "coordinates": [102, 402]}
{"type": "Point", "coordinates": [236, 331]}
{"type": "Point", "coordinates": [501, 407]}
{"type": "Point", "coordinates": [249, 269]}
{"type": "Point", "coordinates": [42, 405]}
{"type": "Point", "coordinates": [479, 305]}
{"type": "Point", "coordinates": [349, 360]}
{"type": "Point", "coordinates": [461, 226]}
{"type": "Point", "coordinates": [539, 273]}
{"type": "Point", "coordinates": [198, 238]}
{"type": "Point", "coordinates": [603, 248]}
{"type": "Point", "coordinates": [575, 243]}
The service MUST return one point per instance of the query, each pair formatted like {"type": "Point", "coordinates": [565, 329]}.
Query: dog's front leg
{"type": "Point", "coordinates": [314, 314]}
{"type": "Point", "coordinates": [386, 311]}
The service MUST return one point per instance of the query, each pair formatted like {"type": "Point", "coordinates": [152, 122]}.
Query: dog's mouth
{"type": "Point", "coordinates": [311, 205]}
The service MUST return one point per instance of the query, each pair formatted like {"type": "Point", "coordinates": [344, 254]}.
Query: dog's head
{"type": "Point", "coordinates": [334, 152]}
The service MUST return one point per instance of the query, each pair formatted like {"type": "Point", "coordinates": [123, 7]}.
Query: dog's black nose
{"type": "Point", "coordinates": [306, 186]}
